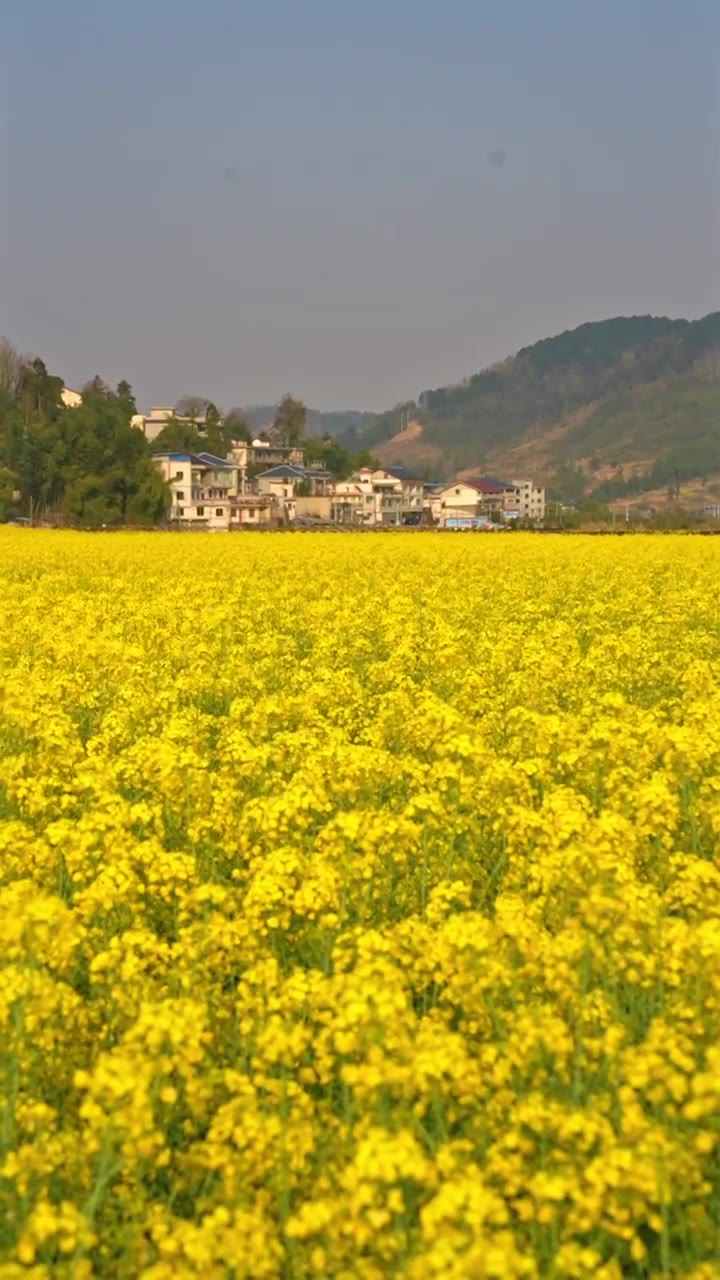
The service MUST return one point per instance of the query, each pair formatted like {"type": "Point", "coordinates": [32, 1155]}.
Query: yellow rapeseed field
{"type": "Point", "coordinates": [360, 909]}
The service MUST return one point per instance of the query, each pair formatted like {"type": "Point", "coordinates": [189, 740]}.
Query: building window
{"type": "Point", "coordinates": [457, 490]}
{"type": "Point", "coordinates": [178, 475]}
{"type": "Point", "coordinates": [201, 511]}
{"type": "Point", "coordinates": [218, 511]}
{"type": "Point", "coordinates": [181, 511]}
{"type": "Point", "coordinates": [179, 497]}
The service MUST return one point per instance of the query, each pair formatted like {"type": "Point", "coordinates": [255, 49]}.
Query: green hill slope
{"type": "Point", "coordinates": [637, 396]}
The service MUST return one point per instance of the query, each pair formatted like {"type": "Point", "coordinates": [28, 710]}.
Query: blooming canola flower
{"type": "Point", "coordinates": [361, 909]}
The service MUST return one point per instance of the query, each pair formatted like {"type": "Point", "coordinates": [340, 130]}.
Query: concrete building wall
{"type": "Point", "coordinates": [320, 506]}
{"type": "Point", "coordinates": [529, 500]}
{"type": "Point", "coordinates": [459, 495]}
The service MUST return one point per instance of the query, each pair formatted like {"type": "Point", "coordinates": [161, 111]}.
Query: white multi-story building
{"type": "Point", "coordinates": [389, 495]}
{"type": "Point", "coordinates": [350, 503]}
{"type": "Point", "coordinates": [529, 501]}
{"type": "Point", "coordinates": [261, 455]}
{"type": "Point", "coordinates": [152, 423]}
{"type": "Point", "coordinates": [201, 488]}
{"type": "Point", "coordinates": [207, 493]}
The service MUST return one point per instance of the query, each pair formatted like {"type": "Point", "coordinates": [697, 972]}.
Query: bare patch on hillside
{"type": "Point", "coordinates": [618, 471]}
{"type": "Point", "coordinates": [539, 453]}
{"type": "Point", "coordinates": [693, 495]}
{"type": "Point", "coordinates": [412, 431]}
{"type": "Point", "coordinates": [409, 447]}
{"type": "Point", "coordinates": [542, 450]}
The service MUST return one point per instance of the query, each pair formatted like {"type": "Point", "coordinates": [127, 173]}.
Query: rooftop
{"type": "Point", "coordinates": [212, 460]}
{"type": "Point", "coordinates": [487, 484]}
{"type": "Point", "coordinates": [287, 471]}
{"type": "Point", "coordinates": [274, 446]}
{"type": "Point", "coordinates": [398, 472]}
{"type": "Point", "coordinates": [403, 473]}
{"type": "Point", "coordinates": [197, 459]}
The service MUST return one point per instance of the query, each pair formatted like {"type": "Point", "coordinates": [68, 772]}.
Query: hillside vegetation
{"type": "Point", "coordinates": [626, 403]}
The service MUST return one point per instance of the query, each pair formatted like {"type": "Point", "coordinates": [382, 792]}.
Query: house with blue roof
{"type": "Point", "coordinates": [208, 492]}
{"type": "Point", "coordinates": [287, 481]}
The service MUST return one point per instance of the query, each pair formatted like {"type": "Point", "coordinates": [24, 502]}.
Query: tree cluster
{"type": "Point", "coordinates": [328, 452]}
{"type": "Point", "coordinates": [85, 466]}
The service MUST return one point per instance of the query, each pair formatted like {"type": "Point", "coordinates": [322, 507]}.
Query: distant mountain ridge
{"type": "Point", "coordinates": [319, 422]}
{"type": "Point", "coordinates": [612, 407]}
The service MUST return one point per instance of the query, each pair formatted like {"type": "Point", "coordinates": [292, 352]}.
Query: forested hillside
{"type": "Point", "coordinates": [81, 466]}
{"type": "Point", "coordinates": [631, 401]}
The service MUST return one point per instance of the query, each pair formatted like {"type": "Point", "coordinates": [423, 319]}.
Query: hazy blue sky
{"type": "Point", "coordinates": [351, 199]}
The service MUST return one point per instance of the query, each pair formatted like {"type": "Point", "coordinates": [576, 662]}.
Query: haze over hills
{"type": "Point", "coordinates": [614, 407]}
{"type": "Point", "coordinates": [319, 422]}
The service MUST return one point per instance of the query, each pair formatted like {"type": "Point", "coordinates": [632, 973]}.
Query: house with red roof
{"type": "Point", "coordinates": [485, 496]}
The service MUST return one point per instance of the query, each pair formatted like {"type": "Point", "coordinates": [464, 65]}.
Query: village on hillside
{"type": "Point", "coordinates": [266, 484]}
{"type": "Point", "coordinates": [88, 459]}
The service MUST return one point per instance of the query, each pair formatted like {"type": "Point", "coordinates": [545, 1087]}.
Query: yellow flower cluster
{"type": "Point", "coordinates": [360, 908]}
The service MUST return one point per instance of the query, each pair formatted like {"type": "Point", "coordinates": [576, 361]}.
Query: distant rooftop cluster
{"type": "Point", "coordinates": [240, 491]}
